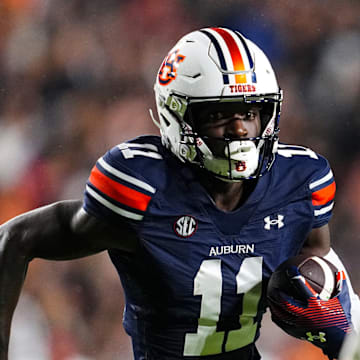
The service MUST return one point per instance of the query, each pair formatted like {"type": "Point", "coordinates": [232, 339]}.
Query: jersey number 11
{"type": "Point", "coordinates": [208, 283]}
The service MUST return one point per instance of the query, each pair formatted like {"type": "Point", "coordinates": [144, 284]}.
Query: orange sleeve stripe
{"type": "Point", "coordinates": [119, 192]}
{"type": "Point", "coordinates": [323, 196]}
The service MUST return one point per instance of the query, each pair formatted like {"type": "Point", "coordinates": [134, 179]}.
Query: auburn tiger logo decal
{"type": "Point", "coordinates": [169, 67]}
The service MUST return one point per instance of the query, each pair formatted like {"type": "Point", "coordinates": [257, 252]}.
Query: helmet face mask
{"type": "Point", "coordinates": [199, 77]}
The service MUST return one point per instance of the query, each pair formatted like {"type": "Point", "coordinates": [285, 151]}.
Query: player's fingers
{"type": "Point", "coordinates": [299, 282]}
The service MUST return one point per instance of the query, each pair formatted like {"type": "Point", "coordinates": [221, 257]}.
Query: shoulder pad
{"type": "Point", "coordinates": [125, 179]}
{"type": "Point", "coordinates": [299, 167]}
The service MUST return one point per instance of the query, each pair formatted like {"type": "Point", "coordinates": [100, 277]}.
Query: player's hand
{"type": "Point", "coordinates": [324, 323]}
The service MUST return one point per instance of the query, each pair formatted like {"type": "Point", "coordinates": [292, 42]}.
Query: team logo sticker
{"type": "Point", "coordinates": [185, 226]}
{"type": "Point", "coordinates": [168, 70]}
{"type": "Point", "coordinates": [240, 166]}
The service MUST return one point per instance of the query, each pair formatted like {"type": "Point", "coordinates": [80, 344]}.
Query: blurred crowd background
{"type": "Point", "coordinates": [76, 78]}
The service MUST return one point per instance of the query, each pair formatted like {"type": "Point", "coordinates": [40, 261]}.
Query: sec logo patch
{"type": "Point", "coordinates": [185, 226]}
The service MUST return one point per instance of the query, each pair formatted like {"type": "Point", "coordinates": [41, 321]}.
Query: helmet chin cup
{"type": "Point", "coordinates": [240, 149]}
{"type": "Point", "coordinates": [240, 161]}
{"type": "Point", "coordinates": [244, 158]}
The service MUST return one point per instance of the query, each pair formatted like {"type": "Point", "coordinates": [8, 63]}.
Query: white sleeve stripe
{"type": "Point", "coordinates": [113, 207]}
{"type": "Point", "coordinates": [326, 178]}
{"type": "Point", "coordinates": [324, 210]}
{"type": "Point", "coordinates": [119, 174]}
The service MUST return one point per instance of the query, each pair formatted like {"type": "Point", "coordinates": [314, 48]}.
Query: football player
{"type": "Point", "coordinates": [195, 221]}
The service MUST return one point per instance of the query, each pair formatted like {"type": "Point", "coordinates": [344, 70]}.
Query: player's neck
{"type": "Point", "coordinates": [227, 196]}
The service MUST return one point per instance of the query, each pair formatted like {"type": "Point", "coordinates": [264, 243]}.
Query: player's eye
{"type": "Point", "coordinates": [251, 115]}
{"type": "Point", "coordinates": [216, 116]}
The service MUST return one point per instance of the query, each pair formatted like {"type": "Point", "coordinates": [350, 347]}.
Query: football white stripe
{"type": "Point", "coordinates": [326, 178]}
{"type": "Point", "coordinates": [324, 210]}
{"type": "Point", "coordinates": [113, 207]}
{"type": "Point", "coordinates": [128, 178]}
{"type": "Point", "coordinates": [329, 281]}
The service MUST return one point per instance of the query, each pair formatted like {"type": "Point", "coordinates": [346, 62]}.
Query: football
{"type": "Point", "coordinates": [318, 273]}
{"type": "Point", "coordinates": [308, 299]}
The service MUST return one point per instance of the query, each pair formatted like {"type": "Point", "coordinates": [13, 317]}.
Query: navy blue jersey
{"type": "Point", "coordinates": [196, 284]}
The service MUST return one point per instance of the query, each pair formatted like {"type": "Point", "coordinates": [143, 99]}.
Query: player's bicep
{"type": "Point", "coordinates": [76, 234]}
{"type": "Point", "coordinates": [99, 234]}
{"type": "Point", "coordinates": [318, 241]}
{"type": "Point", "coordinates": [40, 232]}
{"type": "Point", "coordinates": [62, 230]}
{"type": "Point", "coordinates": [54, 232]}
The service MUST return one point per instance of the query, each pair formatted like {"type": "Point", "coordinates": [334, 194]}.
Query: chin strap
{"type": "Point", "coordinates": [354, 298]}
{"type": "Point", "coordinates": [153, 119]}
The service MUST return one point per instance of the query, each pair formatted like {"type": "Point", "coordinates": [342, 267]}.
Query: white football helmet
{"type": "Point", "coordinates": [212, 66]}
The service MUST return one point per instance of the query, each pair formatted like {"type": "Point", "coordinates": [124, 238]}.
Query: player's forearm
{"type": "Point", "coordinates": [43, 232]}
{"type": "Point", "coordinates": [354, 298]}
{"type": "Point", "coordinates": [13, 265]}
{"type": "Point", "coordinates": [50, 233]}
{"type": "Point", "coordinates": [55, 232]}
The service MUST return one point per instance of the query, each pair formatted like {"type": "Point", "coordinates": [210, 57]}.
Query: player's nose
{"type": "Point", "coordinates": [237, 127]}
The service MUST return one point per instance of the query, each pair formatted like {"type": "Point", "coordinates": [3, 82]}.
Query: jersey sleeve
{"type": "Point", "coordinates": [115, 190]}
{"type": "Point", "coordinates": [322, 188]}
